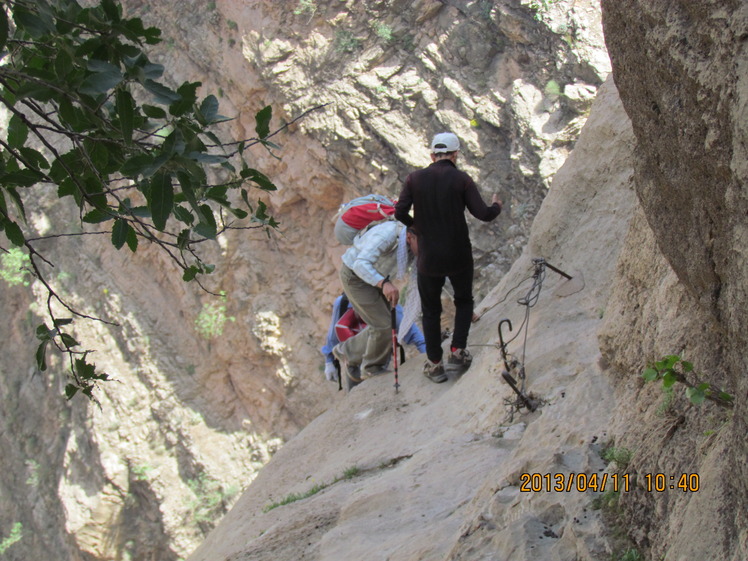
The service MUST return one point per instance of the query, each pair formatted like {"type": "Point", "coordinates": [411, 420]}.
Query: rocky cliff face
{"type": "Point", "coordinates": [648, 210]}
{"type": "Point", "coordinates": [192, 418]}
{"type": "Point", "coordinates": [682, 285]}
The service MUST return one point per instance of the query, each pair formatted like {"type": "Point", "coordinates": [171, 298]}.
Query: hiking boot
{"type": "Point", "coordinates": [435, 372]}
{"type": "Point", "coordinates": [377, 371]}
{"type": "Point", "coordinates": [352, 371]}
{"type": "Point", "coordinates": [459, 361]}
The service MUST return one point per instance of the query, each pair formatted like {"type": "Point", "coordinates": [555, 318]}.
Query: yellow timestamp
{"type": "Point", "coordinates": [660, 482]}
{"type": "Point", "coordinates": [569, 482]}
{"type": "Point", "coordinates": [602, 482]}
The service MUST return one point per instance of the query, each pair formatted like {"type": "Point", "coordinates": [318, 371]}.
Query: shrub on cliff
{"type": "Point", "coordinates": [92, 121]}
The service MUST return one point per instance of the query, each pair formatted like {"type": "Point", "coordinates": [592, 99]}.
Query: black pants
{"type": "Point", "coordinates": [430, 289]}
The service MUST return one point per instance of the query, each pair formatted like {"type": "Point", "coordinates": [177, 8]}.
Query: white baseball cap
{"type": "Point", "coordinates": [445, 142]}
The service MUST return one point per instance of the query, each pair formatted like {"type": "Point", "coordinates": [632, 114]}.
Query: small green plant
{"type": "Point", "coordinates": [620, 455]}
{"type": "Point", "coordinates": [552, 89]}
{"type": "Point", "coordinates": [485, 7]}
{"type": "Point", "coordinates": [33, 479]}
{"type": "Point", "coordinates": [672, 369]}
{"type": "Point", "coordinates": [16, 533]}
{"type": "Point", "coordinates": [140, 472]}
{"type": "Point", "coordinates": [211, 498]}
{"type": "Point", "coordinates": [631, 555]}
{"type": "Point", "coordinates": [607, 501]}
{"type": "Point", "coordinates": [349, 473]}
{"type": "Point", "coordinates": [383, 31]}
{"type": "Point", "coordinates": [346, 41]}
{"type": "Point", "coordinates": [666, 403]}
{"type": "Point", "coordinates": [541, 7]}
{"type": "Point", "coordinates": [306, 7]}
{"type": "Point", "coordinates": [14, 267]}
{"type": "Point", "coordinates": [233, 26]}
{"type": "Point", "coordinates": [212, 319]}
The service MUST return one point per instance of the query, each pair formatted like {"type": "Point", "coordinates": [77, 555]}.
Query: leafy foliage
{"type": "Point", "coordinates": [14, 267]}
{"type": "Point", "coordinates": [211, 499]}
{"type": "Point", "coordinates": [16, 534]}
{"type": "Point", "coordinates": [349, 473]}
{"type": "Point", "coordinates": [91, 120]}
{"type": "Point", "coordinates": [672, 369]}
{"type": "Point", "coordinates": [212, 318]}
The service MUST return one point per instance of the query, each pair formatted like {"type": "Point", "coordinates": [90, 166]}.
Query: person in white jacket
{"type": "Point", "coordinates": [378, 256]}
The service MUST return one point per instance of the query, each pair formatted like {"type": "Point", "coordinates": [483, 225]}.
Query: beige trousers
{"type": "Point", "coordinates": [371, 348]}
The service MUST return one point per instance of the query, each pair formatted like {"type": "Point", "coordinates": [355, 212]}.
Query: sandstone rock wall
{"type": "Point", "coordinates": [682, 277]}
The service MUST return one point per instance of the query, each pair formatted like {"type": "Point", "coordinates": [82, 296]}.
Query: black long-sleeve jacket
{"type": "Point", "coordinates": [439, 195]}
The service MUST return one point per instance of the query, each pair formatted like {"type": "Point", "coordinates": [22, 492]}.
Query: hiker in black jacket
{"type": "Point", "coordinates": [439, 195]}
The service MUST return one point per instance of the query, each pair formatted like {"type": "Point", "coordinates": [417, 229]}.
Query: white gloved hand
{"type": "Point", "coordinates": [331, 373]}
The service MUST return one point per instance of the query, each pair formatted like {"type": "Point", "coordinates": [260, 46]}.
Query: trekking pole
{"type": "Point", "coordinates": [393, 315]}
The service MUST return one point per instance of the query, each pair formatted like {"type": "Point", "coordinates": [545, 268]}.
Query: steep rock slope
{"type": "Point", "coordinates": [669, 277]}
{"type": "Point", "coordinates": [439, 468]}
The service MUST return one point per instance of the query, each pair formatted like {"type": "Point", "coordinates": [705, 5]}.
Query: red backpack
{"type": "Point", "coordinates": [348, 325]}
{"type": "Point", "coordinates": [361, 213]}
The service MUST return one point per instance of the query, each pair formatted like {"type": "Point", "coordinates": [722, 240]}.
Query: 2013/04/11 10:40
{"type": "Point", "coordinates": [601, 482]}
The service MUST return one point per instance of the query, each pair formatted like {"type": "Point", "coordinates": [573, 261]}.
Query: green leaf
{"type": "Point", "coordinates": [190, 273]}
{"type": "Point", "coordinates": [132, 240]}
{"type": "Point", "coordinates": [111, 10]}
{"type": "Point", "coordinates": [120, 232]}
{"type": "Point", "coordinates": [32, 90]}
{"type": "Point", "coordinates": [18, 132]}
{"type": "Point", "coordinates": [17, 201]}
{"type": "Point", "coordinates": [153, 71]}
{"type": "Point", "coordinates": [258, 177]}
{"type": "Point", "coordinates": [188, 97]}
{"type": "Point", "coordinates": [207, 226]}
{"type": "Point", "coordinates": [153, 112]}
{"type": "Point", "coordinates": [14, 233]}
{"type": "Point", "coordinates": [183, 239]}
{"type": "Point", "coordinates": [183, 215]}
{"type": "Point", "coordinates": [104, 77]}
{"type": "Point", "coordinates": [668, 379]}
{"type": "Point", "coordinates": [43, 333]}
{"type": "Point", "coordinates": [68, 340]}
{"type": "Point", "coordinates": [3, 29]}
{"type": "Point", "coordinates": [125, 111]}
{"type": "Point", "coordinates": [41, 355]}
{"type": "Point", "coordinates": [97, 216]}
{"type": "Point", "coordinates": [61, 322]}
{"type": "Point", "coordinates": [724, 396]}
{"type": "Point", "coordinates": [71, 390]}
{"type": "Point", "coordinates": [687, 366]}
{"type": "Point", "coordinates": [30, 22]}
{"type": "Point", "coordinates": [650, 374]}
{"type": "Point", "coordinates": [262, 119]}
{"type": "Point", "coordinates": [33, 158]}
{"type": "Point", "coordinates": [161, 93]}
{"type": "Point", "coordinates": [696, 395]}
{"type": "Point", "coordinates": [207, 158]}
{"type": "Point", "coordinates": [137, 165]}
{"type": "Point", "coordinates": [671, 361]}
{"type": "Point", "coordinates": [161, 199]}
{"type": "Point", "coordinates": [22, 178]}
{"type": "Point", "coordinates": [63, 65]}
{"type": "Point", "coordinates": [188, 190]}
{"type": "Point", "coordinates": [209, 109]}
